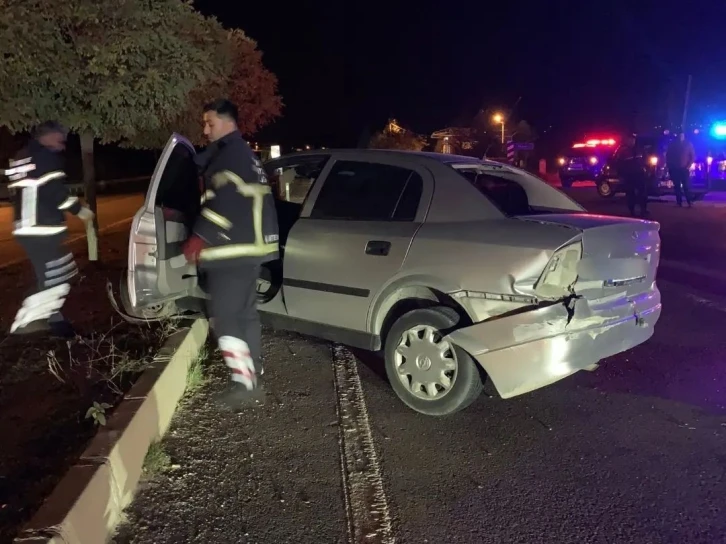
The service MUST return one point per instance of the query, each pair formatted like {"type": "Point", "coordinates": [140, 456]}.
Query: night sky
{"type": "Point", "coordinates": [585, 66]}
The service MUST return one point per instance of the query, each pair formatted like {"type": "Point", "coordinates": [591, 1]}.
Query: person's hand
{"type": "Point", "coordinates": [192, 248]}
{"type": "Point", "coordinates": [86, 215]}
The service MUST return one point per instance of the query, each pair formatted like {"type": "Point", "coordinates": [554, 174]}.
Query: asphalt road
{"type": "Point", "coordinates": [634, 452]}
{"type": "Point", "coordinates": [112, 211]}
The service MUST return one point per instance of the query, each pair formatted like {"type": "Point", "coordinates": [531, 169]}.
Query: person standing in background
{"type": "Point", "coordinates": [631, 167]}
{"type": "Point", "coordinates": [680, 156]}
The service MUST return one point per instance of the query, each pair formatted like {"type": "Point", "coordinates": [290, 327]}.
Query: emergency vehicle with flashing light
{"type": "Point", "coordinates": [585, 160]}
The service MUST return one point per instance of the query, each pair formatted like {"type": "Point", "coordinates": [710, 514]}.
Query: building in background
{"type": "Point", "coordinates": [456, 140]}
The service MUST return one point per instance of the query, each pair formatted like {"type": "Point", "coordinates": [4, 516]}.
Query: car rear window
{"type": "Point", "coordinates": [517, 192]}
{"type": "Point", "coordinates": [507, 195]}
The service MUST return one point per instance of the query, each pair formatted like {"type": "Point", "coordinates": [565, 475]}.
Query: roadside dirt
{"type": "Point", "coordinates": [47, 385]}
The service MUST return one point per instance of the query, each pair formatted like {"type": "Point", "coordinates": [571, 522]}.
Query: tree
{"type": "Point", "coordinates": [108, 69]}
{"type": "Point", "coordinates": [393, 136]}
{"type": "Point", "coordinates": [243, 79]}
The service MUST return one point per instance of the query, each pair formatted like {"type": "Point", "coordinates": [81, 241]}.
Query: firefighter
{"type": "Point", "coordinates": [632, 168]}
{"type": "Point", "coordinates": [234, 234]}
{"type": "Point", "coordinates": [41, 200]}
{"type": "Point", "coordinates": [679, 158]}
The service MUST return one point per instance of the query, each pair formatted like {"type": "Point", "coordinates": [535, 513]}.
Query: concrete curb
{"type": "Point", "coordinates": [87, 504]}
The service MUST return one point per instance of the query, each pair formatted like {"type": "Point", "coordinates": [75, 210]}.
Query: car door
{"type": "Point", "coordinates": [158, 271]}
{"type": "Point", "coordinates": [352, 237]}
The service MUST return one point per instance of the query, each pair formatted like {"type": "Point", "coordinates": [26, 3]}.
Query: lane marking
{"type": "Point", "coordinates": [73, 239]}
{"type": "Point", "coordinates": [367, 511]}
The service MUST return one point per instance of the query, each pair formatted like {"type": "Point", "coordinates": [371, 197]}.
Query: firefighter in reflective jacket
{"type": "Point", "coordinates": [41, 199]}
{"type": "Point", "coordinates": [234, 234]}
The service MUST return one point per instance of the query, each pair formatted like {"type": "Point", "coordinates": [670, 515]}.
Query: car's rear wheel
{"type": "Point", "coordinates": [566, 182]}
{"type": "Point", "coordinates": [604, 189]}
{"type": "Point", "coordinates": [427, 372]}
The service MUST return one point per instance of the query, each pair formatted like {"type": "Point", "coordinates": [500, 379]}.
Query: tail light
{"type": "Point", "coordinates": [560, 273]}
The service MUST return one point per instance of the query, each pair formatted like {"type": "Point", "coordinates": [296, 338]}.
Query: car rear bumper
{"type": "Point", "coordinates": [533, 349]}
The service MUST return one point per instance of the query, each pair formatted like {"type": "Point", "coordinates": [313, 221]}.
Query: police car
{"type": "Point", "coordinates": [652, 150]}
{"type": "Point", "coordinates": [584, 161]}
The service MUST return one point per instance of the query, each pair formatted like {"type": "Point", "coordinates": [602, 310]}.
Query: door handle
{"type": "Point", "coordinates": [378, 247]}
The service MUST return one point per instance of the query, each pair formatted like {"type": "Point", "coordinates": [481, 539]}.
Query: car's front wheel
{"type": "Point", "coordinates": [605, 189]}
{"type": "Point", "coordinates": [153, 312]}
{"type": "Point", "coordinates": [427, 372]}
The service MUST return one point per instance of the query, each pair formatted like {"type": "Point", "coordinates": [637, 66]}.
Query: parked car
{"type": "Point", "coordinates": [460, 271]}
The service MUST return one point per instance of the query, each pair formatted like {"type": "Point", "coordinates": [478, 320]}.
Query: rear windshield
{"type": "Point", "coordinates": [516, 192]}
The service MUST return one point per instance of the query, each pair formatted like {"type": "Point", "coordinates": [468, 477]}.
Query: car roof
{"type": "Point", "coordinates": [441, 158]}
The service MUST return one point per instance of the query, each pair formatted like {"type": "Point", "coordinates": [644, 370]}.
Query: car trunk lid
{"type": "Point", "coordinates": [620, 256]}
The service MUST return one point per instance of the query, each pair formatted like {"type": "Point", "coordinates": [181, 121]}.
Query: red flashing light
{"type": "Point", "coordinates": [595, 143]}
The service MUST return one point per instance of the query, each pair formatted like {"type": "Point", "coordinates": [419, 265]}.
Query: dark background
{"type": "Point", "coordinates": [578, 66]}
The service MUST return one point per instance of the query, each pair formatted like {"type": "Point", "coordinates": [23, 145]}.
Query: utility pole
{"type": "Point", "coordinates": [685, 104]}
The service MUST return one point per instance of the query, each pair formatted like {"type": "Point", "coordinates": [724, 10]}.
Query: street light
{"type": "Point", "coordinates": [499, 119]}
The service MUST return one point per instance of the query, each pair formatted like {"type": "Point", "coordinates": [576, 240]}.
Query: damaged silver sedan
{"type": "Point", "coordinates": [460, 271]}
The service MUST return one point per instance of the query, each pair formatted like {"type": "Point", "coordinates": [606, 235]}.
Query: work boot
{"type": "Point", "coordinates": [38, 326]}
{"type": "Point", "coordinates": [236, 397]}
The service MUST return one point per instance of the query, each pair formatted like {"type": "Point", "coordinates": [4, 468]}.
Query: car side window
{"type": "Point", "coordinates": [621, 153]}
{"type": "Point", "coordinates": [179, 187]}
{"type": "Point", "coordinates": [292, 180]}
{"type": "Point", "coordinates": [366, 191]}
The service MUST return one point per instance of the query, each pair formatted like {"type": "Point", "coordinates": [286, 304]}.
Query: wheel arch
{"type": "Point", "coordinates": [409, 294]}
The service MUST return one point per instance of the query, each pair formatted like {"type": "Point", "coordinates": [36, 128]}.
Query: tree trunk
{"type": "Point", "coordinates": [89, 188]}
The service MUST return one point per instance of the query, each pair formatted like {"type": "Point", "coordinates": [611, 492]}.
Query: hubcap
{"type": "Point", "coordinates": [605, 188]}
{"type": "Point", "coordinates": [425, 363]}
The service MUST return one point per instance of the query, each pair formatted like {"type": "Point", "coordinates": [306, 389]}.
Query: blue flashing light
{"type": "Point", "coordinates": [718, 130]}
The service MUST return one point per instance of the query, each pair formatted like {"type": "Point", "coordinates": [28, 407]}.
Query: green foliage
{"type": "Point", "coordinates": [157, 460]}
{"type": "Point", "coordinates": [116, 68]}
{"type": "Point", "coordinates": [97, 412]}
{"type": "Point", "coordinates": [241, 77]}
{"type": "Point", "coordinates": [406, 141]}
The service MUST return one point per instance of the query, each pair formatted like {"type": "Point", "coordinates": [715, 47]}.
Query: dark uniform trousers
{"type": "Point", "coordinates": [636, 192]}
{"type": "Point", "coordinates": [681, 178]}
{"type": "Point", "coordinates": [54, 267]}
{"type": "Point", "coordinates": [232, 305]}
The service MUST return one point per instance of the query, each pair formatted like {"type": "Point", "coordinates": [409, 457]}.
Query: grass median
{"type": "Point", "coordinates": [54, 394]}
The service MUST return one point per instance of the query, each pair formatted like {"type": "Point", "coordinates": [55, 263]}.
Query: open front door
{"type": "Point", "coordinates": [158, 271]}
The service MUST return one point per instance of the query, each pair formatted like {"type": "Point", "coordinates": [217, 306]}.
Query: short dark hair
{"type": "Point", "coordinates": [223, 108]}
{"type": "Point", "coordinates": [49, 127]}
